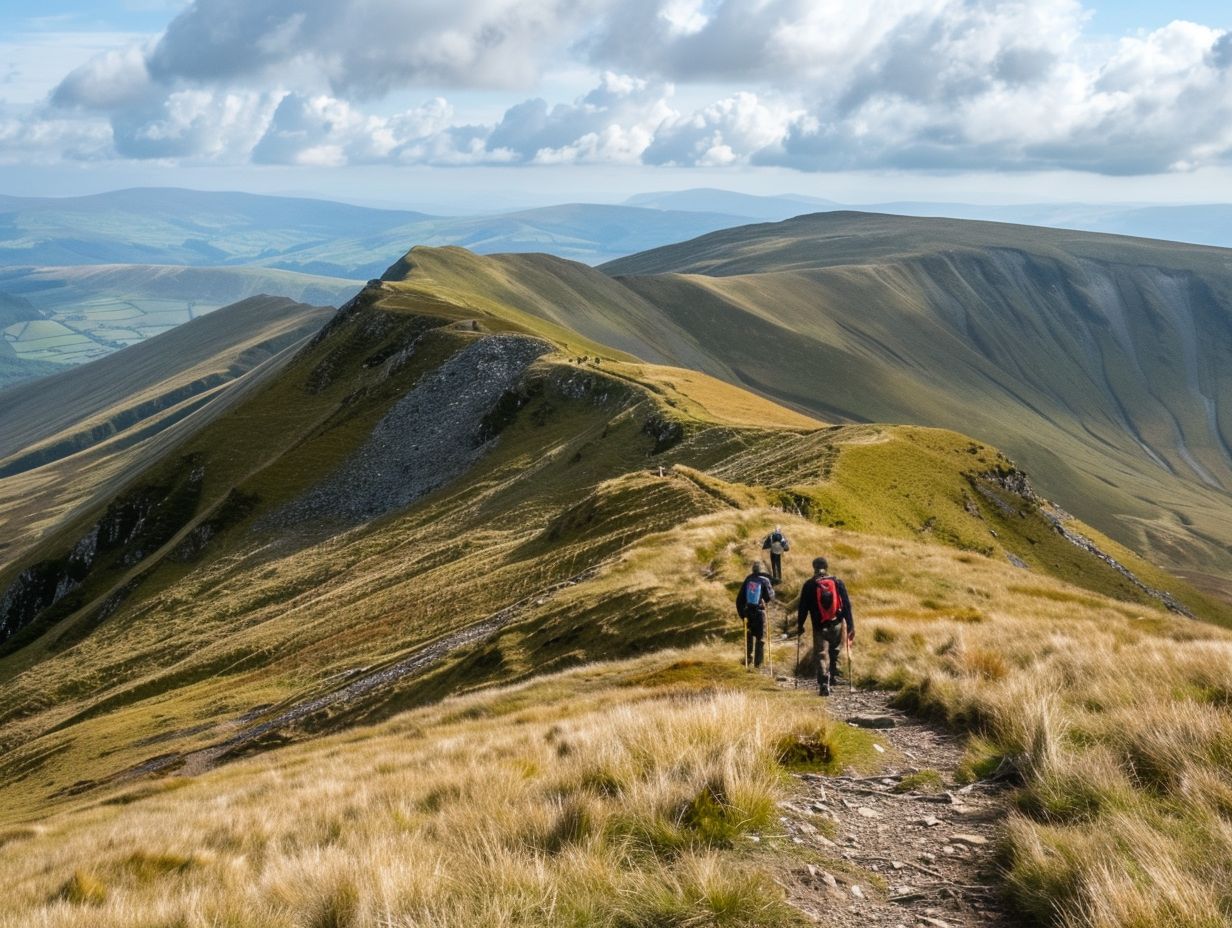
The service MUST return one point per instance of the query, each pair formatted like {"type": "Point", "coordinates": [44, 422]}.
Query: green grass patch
{"type": "Point", "coordinates": [922, 781]}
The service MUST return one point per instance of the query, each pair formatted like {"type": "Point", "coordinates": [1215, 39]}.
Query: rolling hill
{"type": "Point", "coordinates": [216, 229]}
{"type": "Point", "coordinates": [76, 314]}
{"type": "Point", "coordinates": [452, 532]}
{"type": "Point", "coordinates": [1196, 223]}
{"type": "Point", "coordinates": [1099, 362]}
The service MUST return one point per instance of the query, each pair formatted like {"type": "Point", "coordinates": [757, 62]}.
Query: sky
{"type": "Point", "coordinates": [476, 104]}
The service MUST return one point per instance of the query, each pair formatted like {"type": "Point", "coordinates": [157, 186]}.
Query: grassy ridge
{"type": "Point", "coordinates": [1096, 361]}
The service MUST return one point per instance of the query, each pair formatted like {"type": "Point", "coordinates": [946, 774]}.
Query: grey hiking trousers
{"type": "Point", "coordinates": [828, 637]}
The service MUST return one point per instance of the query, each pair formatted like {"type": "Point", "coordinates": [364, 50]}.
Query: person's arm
{"type": "Point", "coordinates": [848, 617]}
{"type": "Point", "coordinates": [767, 590]}
{"type": "Point", "coordinates": [740, 600]}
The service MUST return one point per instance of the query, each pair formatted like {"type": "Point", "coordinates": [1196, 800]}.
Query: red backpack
{"type": "Point", "coordinates": [828, 600]}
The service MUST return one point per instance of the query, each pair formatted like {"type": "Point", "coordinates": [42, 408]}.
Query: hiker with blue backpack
{"type": "Point", "coordinates": [777, 544]}
{"type": "Point", "coordinates": [824, 600]}
{"type": "Point", "coordinates": [755, 592]}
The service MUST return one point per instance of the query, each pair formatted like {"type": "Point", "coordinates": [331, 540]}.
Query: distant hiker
{"type": "Point", "coordinates": [776, 543]}
{"type": "Point", "coordinates": [824, 599]}
{"type": "Point", "coordinates": [755, 592]}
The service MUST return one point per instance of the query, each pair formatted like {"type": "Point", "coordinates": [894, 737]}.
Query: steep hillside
{"type": "Point", "coordinates": [66, 435]}
{"type": "Point", "coordinates": [1101, 363]}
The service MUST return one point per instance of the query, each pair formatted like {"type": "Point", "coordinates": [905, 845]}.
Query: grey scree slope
{"type": "Point", "coordinates": [429, 437]}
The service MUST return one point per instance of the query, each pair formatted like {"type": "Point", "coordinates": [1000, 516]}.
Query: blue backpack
{"type": "Point", "coordinates": [753, 592]}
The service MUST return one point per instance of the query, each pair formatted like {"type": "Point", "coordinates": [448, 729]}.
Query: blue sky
{"type": "Point", "coordinates": [428, 102]}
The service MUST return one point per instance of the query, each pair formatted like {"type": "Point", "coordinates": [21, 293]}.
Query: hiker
{"type": "Point", "coordinates": [824, 599]}
{"type": "Point", "coordinates": [755, 592]}
{"type": "Point", "coordinates": [776, 543]}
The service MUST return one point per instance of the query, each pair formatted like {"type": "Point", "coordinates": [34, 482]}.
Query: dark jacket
{"type": "Point", "coordinates": [808, 605]}
{"type": "Point", "coordinates": [767, 594]}
{"type": "Point", "coordinates": [770, 539]}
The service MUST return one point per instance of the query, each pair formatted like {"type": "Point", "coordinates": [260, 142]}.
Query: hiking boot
{"type": "Point", "coordinates": [823, 689]}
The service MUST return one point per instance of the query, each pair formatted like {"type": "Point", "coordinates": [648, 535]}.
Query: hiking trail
{"type": "Point", "coordinates": [907, 847]}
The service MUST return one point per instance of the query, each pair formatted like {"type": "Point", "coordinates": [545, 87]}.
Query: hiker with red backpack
{"type": "Point", "coordinates": [824, 600]}
{"type": "Point", "coordinates": [755, 592]}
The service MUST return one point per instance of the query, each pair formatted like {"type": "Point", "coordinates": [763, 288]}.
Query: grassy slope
{"type": "Point", "coordinates": [612, 796]}
{"type": "Point", "coordinates": [208, 644]}
{"type": "Point", "coordinates": [65, 436]}
{"type": "Point", "coordinates": [1072, 351]}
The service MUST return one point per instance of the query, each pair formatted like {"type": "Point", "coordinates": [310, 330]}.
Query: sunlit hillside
{"type": "Point", "coordinates": [461, 577]}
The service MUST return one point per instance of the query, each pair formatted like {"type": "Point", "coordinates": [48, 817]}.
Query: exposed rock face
{"type": "Point", "coordinates": [1058, 519]}
{"type": "Point", "coordinates": [1009, 490]}
{"type": "Point", "coordinates": [431, 435]}
{"type": "Point", "coordinates": [134, 526]}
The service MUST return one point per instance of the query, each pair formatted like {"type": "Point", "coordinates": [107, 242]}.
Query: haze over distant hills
{"type": "Point", "coordinates": [1199, 223]}
{"type": "Point", "coordinates": [199, 228]}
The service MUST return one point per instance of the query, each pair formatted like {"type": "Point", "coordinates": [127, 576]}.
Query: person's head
{"type": "Point", "coordinates": [820, 565]}
{"type": "Point", "coordinates": [758, 568]}
{"type": "Point", "coordinates": [778, 528]}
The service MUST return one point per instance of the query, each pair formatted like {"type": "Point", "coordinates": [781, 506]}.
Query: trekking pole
{"type": "Point", "coordinates": [795, 670]}
{"type": "Point", "coordinates": [744, 643]}
{"type": "Point", "coordinates": [849, 670]}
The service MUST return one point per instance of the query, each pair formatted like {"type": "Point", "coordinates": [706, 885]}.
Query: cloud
{"type": "Point", "coordinates": [815, 85]}
{"type": "Point", "coordinates": [115, 78]}
{"type": "Point", "coordinates": [614, 122]}
{"type": "Point", "coordinates": [367, 48]}
{"type": "Point", "coordinates": [724, 133]}
{"type": "Point", "coordinates": [322, 130]}
{"type": "Point", "coordinates": [23, 137]}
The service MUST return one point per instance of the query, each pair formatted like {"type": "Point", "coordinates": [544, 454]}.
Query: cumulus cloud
{"type": "Point", "coordinates": [322, 130]}
{"type": "Point", "coordinates": [52, 139]}
{"type": "Point", "coordinates": [614, 122]}
{"type": "Point", "coordinates": [366, 48]}
{"type": "Point", "coordinates": [810, 84]}
{"type": "Point", "coordinates": [724, 133]}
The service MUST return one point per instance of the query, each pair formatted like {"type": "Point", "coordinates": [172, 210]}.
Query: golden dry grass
{"type": "Point", "coordinates": [619, 795]}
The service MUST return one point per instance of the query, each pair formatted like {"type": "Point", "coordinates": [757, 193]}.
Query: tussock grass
{"type": "Point", "coordinates": [612, 797]}
{"type": "Point", "coordinates": [1116, 725]}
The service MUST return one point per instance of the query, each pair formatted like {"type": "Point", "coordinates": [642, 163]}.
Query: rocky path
{"type": "Point", "coordinates": [907, 847]}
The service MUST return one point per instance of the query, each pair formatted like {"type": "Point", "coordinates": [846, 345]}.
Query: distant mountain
{"type": "Point", "coordinates": [586, 232]}
{"type": "Point", "coordinates": [1201, 224]}
{"type": "Point", "coordinates": [709, 199]}
{"type": "Point", "coordinates": [1102, 363]}
{"type": "Point", "coordinates": [173, 226]}
{"type": "Point", "coordinates": [208, 229]}
{"type": "Point", "coordinates": [75, 314]}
